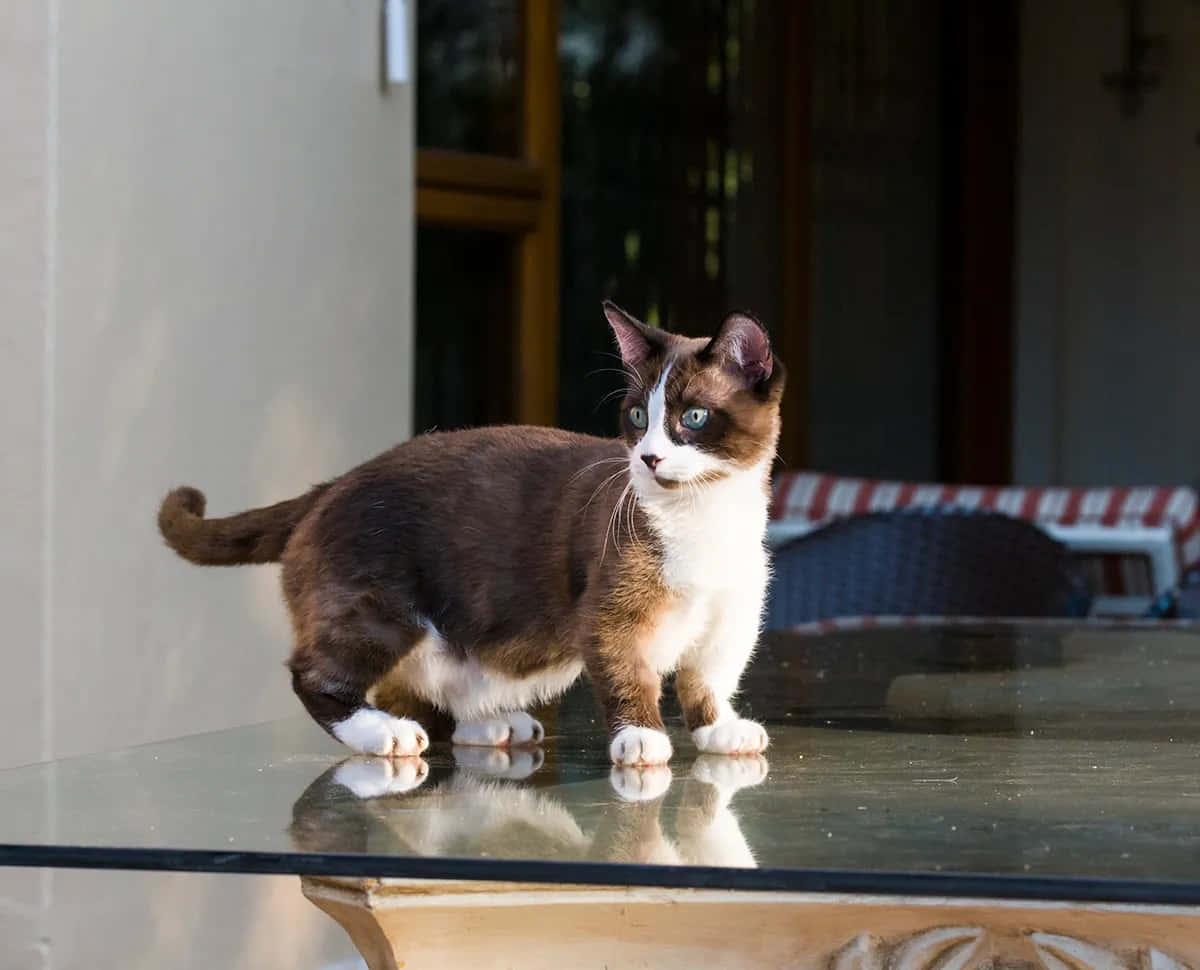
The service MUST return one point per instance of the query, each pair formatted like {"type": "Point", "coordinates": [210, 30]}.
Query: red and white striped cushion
{"type": "Point", "coordinates": [816, 499]}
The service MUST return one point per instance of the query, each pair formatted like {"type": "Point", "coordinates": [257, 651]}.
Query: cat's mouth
{"type": "Point", "coordinates": [668, 482]}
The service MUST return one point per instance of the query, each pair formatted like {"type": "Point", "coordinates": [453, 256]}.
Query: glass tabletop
{"type": "Point", "coordinates": [1033, 761]}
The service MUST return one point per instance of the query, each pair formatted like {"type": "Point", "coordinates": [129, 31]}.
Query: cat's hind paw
{"type": "Point", "coordinates": [639, 746]}
{"type": "Point", "coordinates": [371, 731]}
{"type": "Point", "coordinates": [733, 737]}
{"type": "Point", "coordinates": [503, 730]}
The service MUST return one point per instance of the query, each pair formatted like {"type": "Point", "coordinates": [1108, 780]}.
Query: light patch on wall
{"type": "Point", "coordinates": [276, 904]}
{"type": "Point", "coordinates": [298, 445]}
{"type": "Point", "coordinates": [138, 367]}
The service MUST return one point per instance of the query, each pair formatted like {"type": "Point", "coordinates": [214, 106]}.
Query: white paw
{"type": "Point", "coordinates": [500, 762]}
{"type": "Point", "coordinates": [730, 774]}
{"type": "Point", "coordinates": [371, 731]}
{"type": "Point", "coordinates": [737, 736]}
{"type": "Point", "coordinates": [370, 777]}
{"type": "Point", "coordinates": [640, 746]}
{"type": "Point", "coordinates": [642, 784]}
{"type": "Point", "coordinates": [500, 731]}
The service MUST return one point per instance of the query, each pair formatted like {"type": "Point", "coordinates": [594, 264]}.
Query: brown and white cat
{"type": "Point", "coordinates": [480, 572]}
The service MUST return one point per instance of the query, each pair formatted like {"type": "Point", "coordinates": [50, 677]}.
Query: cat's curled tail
{"type": "Point", "coordinates": [258, 535]}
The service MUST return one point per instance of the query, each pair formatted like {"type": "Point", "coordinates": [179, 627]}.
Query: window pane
{"type": "Point", "coordinates": [875, 242]}
{"type": "Point", "coordinates": [465, 317]}
{"type": "Point", "coordinates": [468, 75]}
{"type": "Point", "coordinates": [671, 145]}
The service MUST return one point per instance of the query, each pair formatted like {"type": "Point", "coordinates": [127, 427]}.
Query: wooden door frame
{"type": "Point", "coordinates": [981, 57]}
{"type": "Point", "coordinates": [519, 197]}
{"type": "Point", "coordinates": [793, 333]}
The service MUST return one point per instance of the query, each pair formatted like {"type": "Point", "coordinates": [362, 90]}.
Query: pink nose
{"type": "Point", "coordinates": [652, 461]}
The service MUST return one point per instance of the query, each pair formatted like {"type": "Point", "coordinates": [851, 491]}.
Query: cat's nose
{"type": "Point", "coordinates": [652, 461]}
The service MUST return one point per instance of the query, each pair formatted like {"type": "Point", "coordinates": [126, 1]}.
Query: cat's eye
{"type": "Point", "coordinates": [694, 418]}
{"type": "Point", "coordinates": [637, 416]}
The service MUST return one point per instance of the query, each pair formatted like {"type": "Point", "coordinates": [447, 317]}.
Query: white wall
{"type": "Point", "coordinates": [1108, 286]}
{"type": "Point", "coordinates": [206, 250]}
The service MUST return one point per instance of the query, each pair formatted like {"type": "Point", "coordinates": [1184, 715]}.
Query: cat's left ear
{"type": "Point", "coordinates": [636, 341]}
{"type": "Point", "coordinates": [743, 348]}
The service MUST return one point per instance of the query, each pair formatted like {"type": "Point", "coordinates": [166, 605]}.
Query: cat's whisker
{"type": "Point", "coordinates": [608, 370]}
{"type": "Point", "coordinates": [603, 461]}
{"type": "Point", "coordinates": [633, 521]}
{"type": "Point", "coordinates": [624, 516]}
{"type": "Point", "coordinates": [611, 519]}
{"type": "Point", "coordinates": [619, 519]}
{"type": "Point", "coordinates": [627, 503]}
{"type": "Point", "coordinates": [627, 370]}
{"type": "Point", "coordinates": [619, 392]}
{"type": "Point", "coordinates": [610, 478]}
{"type": "Point", "coordinates": [630, 375]}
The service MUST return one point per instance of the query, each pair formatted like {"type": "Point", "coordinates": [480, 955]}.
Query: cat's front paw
{"type": "Point", "coordinates": [371, 731]}
{"type": "Point", "coordinates": [640, 746]}
{"type": "Point", "coordinates": [734, 737]}
{"type": "Point", "coordinates": [372, 777]}
{"type": "Point", "coordinates": [640, 784]}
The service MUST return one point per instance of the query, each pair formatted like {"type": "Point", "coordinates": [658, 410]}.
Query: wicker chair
{"type": "Point", "coordinates": [924, 562]}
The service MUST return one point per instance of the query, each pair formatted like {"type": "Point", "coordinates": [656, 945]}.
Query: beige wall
{"type": "Point", "coordinates": [206, 240]}
{"type": "Point", "coordinates": [1108, 278]}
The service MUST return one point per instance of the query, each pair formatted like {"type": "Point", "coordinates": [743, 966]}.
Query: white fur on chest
{"type": "Point", "coordinates": [680, 627]}
{"type": "Point", "coordinates": [713, 537]}
{"type": "Point", "coordinates": [714, 561]}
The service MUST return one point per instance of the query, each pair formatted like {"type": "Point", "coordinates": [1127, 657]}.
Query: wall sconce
{"type": "Point", "coordinates": [1138, 74]}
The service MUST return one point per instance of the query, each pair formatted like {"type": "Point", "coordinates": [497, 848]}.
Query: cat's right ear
{"type": "Point", "coordinates": [634, 339]}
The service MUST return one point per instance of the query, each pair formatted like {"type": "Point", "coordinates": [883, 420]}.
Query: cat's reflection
{"type": "Point", "coordinates": [490, 804]}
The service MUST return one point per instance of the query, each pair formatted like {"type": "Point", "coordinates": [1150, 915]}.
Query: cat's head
{"type": "Point", "coordinates": [697, 410]}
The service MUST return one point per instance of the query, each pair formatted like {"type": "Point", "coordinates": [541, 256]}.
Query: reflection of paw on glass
{"type": "Point", "coordinates": [730, 774]}
{"type": "Point", "coordinates": [709, 833]}
{"type": "Point", "coordinates": [515, 764]}
{"type": "Point", "coordinates": [480, 807]}
{"type": "Point", "coordinates": [369, 777]}
{"type": "Point", "coordinates": [640, 784]}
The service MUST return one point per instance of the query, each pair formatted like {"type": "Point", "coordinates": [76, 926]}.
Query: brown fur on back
{"type": "Point", "coordinates": [489, 535]}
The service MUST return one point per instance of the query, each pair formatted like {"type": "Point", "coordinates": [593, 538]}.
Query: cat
{"type": "Point", "coordinates": [481, 572]}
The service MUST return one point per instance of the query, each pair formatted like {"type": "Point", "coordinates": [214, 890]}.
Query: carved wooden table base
{"type": "Point", "coordinates": [480, 926]}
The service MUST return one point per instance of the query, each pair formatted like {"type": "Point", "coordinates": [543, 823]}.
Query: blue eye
{"type": "Point", "coordinates": [694, 418]}
{"type": "Point", "coordinates": [637, 416]}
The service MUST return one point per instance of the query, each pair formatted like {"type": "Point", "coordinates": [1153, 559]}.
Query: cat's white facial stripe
{"type": "Point", "coordinates": [680, 463]}
{"type": "Point", "coordinates": [656, 441]}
